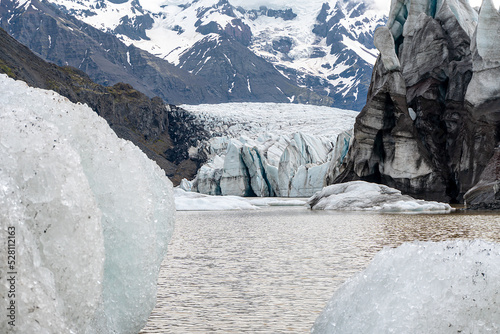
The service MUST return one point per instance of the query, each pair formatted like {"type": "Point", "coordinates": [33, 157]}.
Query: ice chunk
{"type": "Point", "coordinates": [208, 177]}
{"type": "Point", "coordinates": [466, 15]}
{"type": "Point", "coordinates": [48, 205]}
{"type": "Point", "coordinates": [93, 216]}
{"type": "Point", "coordinates": [360, 195]}
{"type": "Point", "coordinates": [186, 185]}
{"type": "Point", "coordinates": [423, 287]}
{"type": "Point", "coordinates": [190, 201]}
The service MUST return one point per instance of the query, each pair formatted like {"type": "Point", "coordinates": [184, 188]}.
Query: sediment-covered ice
{"type": "Point", "coordinates": [423, 287]}
{"type": "Point", "coordinates": [92, 217]}
{"type": "Point", "coordinates": [365, 196]}
{"type": "Point", "coordinates": [268, 149]}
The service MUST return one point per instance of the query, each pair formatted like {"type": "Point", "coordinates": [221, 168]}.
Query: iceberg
{"type": "Point", "coordinates": [91, 214]}
{"type": "Point", "coordinates": [366, 196]}
{"type": "Point", "coordinates": [422, 287]}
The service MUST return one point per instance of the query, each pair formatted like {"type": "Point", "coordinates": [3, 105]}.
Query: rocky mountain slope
{"type": "Point", "coordinates": [64, 40]}
{"type": "Point", "coordinates": [252, 54]}
{"type": "Point", "coordinates": [431, 123]}
{"type": "Point", "coordinates": [61, 38]}
{"type": "Point", "coordinates": [160, 130]}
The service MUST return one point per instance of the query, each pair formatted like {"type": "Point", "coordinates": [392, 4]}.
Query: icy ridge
{"type": "Point", "coordinates": [269, 149]}
{"type": "Point", "coordinates": [92, 215]}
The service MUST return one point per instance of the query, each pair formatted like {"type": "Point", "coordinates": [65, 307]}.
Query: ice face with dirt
{"type": "Point", "coordinates": [269, 149]}
{"type": "Point", "coordinates": [92, 217]}
{"type": "Point", "coordinates": [365, 196]}
{"type": "Point", "coordinates": [423, 287]}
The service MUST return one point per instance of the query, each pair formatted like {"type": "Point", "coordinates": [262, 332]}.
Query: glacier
{"type": "Point", "coordinates": [423, 287]}
{"type": "Point", "coordinates": [92, 217]}
{"type": "Point", "coordinates": [269, 149]}
{"type": "Point", "coordinates": [366, 196]}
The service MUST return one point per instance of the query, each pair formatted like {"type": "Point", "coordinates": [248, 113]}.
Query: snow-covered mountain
{"type": "Point", "coordinates": [326, 46]}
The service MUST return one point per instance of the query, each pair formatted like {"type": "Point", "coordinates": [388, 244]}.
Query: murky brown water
{"type": "Point", "coordinates": [272, 271]}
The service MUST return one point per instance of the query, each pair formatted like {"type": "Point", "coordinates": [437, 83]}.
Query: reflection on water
{"type": "Point", "coordinates": [272, 271]}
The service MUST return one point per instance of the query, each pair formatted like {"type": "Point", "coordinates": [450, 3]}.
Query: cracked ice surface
{"type": "Point", "coordinates": [423, 287]}
{"type": "Point", "coordinates": [268, 149]}
{"type": "Point", "coordinates": [93, 216]}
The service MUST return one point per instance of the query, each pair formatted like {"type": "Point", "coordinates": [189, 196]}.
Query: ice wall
{"type": "Point", "coordinates": [435, 288]}
{"type": "Point", "coordinates": [268, 149]}
{"type": "Point", "coordinates": [92, 215]}
{"type": "Point", "coordinates": [293, 165]}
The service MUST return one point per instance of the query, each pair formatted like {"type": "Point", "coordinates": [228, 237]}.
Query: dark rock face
{"type": "Point", "coordinates": [148, 123]}
{"type": "Point", "coordinates": [135, 29]}
{"type": "Point", "coordinates": [424, 130]}
{"type": "Point", "coordinates": [330, 27]}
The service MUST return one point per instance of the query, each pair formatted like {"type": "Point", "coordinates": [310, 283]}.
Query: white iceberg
{"type": "Point", "coordinates": [92, 217]}
{"type": "Point", "coordinates": [365, 196]}
{"type": "Point", "coordinates": [191, 201]}
{"type": "Point", "coordinates": [423, 287]}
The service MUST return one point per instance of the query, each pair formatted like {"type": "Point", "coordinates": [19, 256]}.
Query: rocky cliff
{"type": "Point", "coordinates": [149, 123]}
{"type": "Point", "coordinates": [430, 124]}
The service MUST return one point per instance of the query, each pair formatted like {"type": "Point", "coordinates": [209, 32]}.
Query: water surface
{"type": "Point", "coordinates": [273, 270]}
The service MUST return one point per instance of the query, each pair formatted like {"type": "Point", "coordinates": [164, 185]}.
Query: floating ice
{"type": "Point", "coordinates": [92, 215]}
{"type": "Point", "coordinates": [191, 201]}
{"type": "Point", "coordinates": [424, 287]}
{"type": "Point", "coordinates": [360, 195]}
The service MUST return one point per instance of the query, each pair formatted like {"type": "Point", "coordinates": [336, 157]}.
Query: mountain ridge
{"type": "Point", "coordinates": [64, 40]}
{"type": "Point", "coordinates": [327, 50]}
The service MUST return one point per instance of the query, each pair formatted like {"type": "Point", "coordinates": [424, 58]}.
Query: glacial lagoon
{"type": "Point", "coordinates": [273, 270]}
